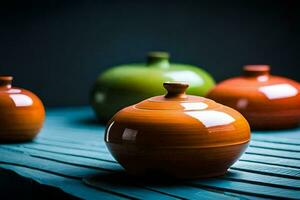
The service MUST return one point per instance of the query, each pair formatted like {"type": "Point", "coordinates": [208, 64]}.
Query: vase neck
{"type": "Point", "coordinates": [158, 59]}
{"type": "Point", "coordinates": [5, 81]}
{"type": "Point", "coordinates": [256, 70]}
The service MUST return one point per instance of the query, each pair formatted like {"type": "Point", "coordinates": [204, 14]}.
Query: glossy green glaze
{"type": "Point", "coordinates": [125, 85]}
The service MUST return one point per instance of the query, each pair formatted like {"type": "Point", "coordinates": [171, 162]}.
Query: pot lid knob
{"type": "Point", "coordinates": [6, 81]}
{"type": "Point", "coordinates": [256, 70]}
{"type": "Point", "coordinates": [176, 89]}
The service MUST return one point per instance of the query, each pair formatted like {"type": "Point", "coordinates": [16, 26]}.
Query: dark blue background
{"type": "Point", "coordinates": [57, 48]}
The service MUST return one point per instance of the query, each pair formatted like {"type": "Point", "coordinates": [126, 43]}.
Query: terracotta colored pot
{"type": "Point", "coordinates": [177, 135]}
{"type": "Point", "coordinates": [267, 102]}
{"type": "Point", "coordinates": [21, 113]}
{"type": "Point", "coordinates": [124, 85]}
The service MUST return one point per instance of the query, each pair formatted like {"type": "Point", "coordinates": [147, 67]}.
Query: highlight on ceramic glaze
{"type": "Point", "coordinates": [278, 91]}
{"type": "Point", "coordinates": [125, 85]}
{"type": "Point", "coordinates": [267, 101]}
{"type": "Point", "coordinates": [21, 112]}
{"type": "Point", "coordinates": [211, 118]}
{"type": "Point", "coordinates": [177, 135]}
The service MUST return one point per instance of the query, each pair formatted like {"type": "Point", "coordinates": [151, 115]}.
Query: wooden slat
{"type": "Point", "coordinates": [263, 179]}
{"type": "Point", "coordinates": [68, 151]}
{"type": "Point", "coordinates": [274, 153]}
{"type": "Point", "coordinates": [58, 168]}
{"type": "Point", "coordinates": [64, 144]}
{"type": "Point", "coordinates": [248, 188]}
{"type": "Point", "coordinates": [69, 159]}
{"type": "Point", "coordinates": [267, 169]}
{"type": "Point", "coordinates": [188, 192]}
{"type": "Point", "coordinates": [283, 162]}
{"type": "Point", "coordinates": [93, 139]}
{"type": "Point", "coordinates": [71, 143]}
{"type": "Point", "coordinates": [275, 146]}
{"type": "Point", "coordinates": [291, 136]}
{"type": "Point", "coordinates": [277, 140]}
{"type": "Point", "coordinates": [128, 189]}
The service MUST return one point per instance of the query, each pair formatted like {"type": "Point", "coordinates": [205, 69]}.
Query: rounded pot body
{"type": "Point", "coordinates": [125, 85]}
{"type": "Point", "coordinates": [267, 101]}
{"type": "Point", "coordinates": [181, 137]}
{"type": "Point", "coordinates": [21, 113]}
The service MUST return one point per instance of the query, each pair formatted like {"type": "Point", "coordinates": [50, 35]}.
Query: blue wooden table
{"type": "Point", "coordinates": [70, 154]}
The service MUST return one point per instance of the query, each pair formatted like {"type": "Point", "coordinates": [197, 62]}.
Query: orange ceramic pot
{"type": "Point", "coordinates": [21, 113]}
{"type": "Point", "coordinates": [178, 135]}
{"type": "Point", "coordinates": [267, 102]}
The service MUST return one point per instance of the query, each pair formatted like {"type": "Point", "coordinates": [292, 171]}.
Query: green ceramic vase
{"type": "Point", "coordinates": [124, 85]}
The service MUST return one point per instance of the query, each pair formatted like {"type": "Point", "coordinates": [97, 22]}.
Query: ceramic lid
{"type": "Point", "coordinates": [176, 99]}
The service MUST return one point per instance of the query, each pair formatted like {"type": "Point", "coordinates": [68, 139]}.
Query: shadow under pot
{"type": "Point", "coordinates": [177, 135]}
{"type": "Point", "coordinates": [124, 85]}
{"type": "Point", "coordinates": [266, 101]}
{"type": "Point", "coordinates": [21, 113]}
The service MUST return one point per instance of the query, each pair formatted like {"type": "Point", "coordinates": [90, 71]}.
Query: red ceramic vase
{"type": "Point", "coordinates": [267, 101]}
{"type": "Point", "coordinates": [21, 113]}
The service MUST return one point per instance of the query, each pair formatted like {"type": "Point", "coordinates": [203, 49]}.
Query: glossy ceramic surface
{"type": "Point", "coordinates": [267, 101]}
{"type": "Point", "coordinates": [179, 135]}
{"type": "Point", "coordinates": [21, 113]}
{"type": "Point", "coordinates": [125, 85]}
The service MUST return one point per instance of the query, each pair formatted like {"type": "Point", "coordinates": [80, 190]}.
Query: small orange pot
{"type": "Point", "coordinates": [267, 102]}
{"type": "Point", "coordinates": [21, 113]}
{"type": "Point", "coordinates": [178, 135]}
